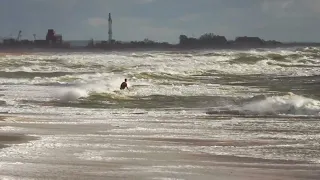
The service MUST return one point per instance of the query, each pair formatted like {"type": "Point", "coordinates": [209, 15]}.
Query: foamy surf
{"type": "Point", "coordinates": [72, 103]}
{"type": "Point", "coordinates": [290, 104]}
{"type": "Point", "coordinates": [72, 94]}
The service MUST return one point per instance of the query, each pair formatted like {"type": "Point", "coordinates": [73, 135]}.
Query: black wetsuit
{"type": "Point", "coordinates": [123, 85]}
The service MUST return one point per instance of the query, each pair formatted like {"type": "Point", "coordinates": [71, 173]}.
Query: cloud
{"type": "Point", "coordinates": [162, 20]}
{"type": "Point", "coordinates": [97, 21]}
{"type": "Point", "coordinates": [133, 28]}
{"type": "Point", "coordinates": [291, 8]}
{"type": "Point", "coordinates": [281, 8]}
{"type": "Point", "coordinates": [145, 1]}
{"type": "Point", "coordinates": [137, 21]}
{"type": "Point", "coordinates": [139, 28]}
{"type": "Point", "coordinates": [61, 4]}
{"type": "Point", "coordinates": [313, 5]}
{"type": "Point", "coordinates": [279, 5]}
{"type": "Point", "coordinates": [190, 17]}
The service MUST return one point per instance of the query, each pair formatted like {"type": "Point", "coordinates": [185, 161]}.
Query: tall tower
{"type": "Point", "coordinates": [110, 28]}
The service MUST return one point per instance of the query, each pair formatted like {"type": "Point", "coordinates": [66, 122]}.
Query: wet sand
{"type": "Point", "coordinates": [145, 158]}
{"type": "Point", "coordinates": [12, 138]}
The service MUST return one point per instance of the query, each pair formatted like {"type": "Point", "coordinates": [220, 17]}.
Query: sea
{"type": "Point", "coordinates": [184, 114]}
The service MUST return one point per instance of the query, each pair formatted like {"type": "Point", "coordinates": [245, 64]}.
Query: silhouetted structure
{"type": "Point", "coordinates": [249, 41]}
{"type": "Point", "coordinates": [110, 28]}
{"type": "Point", "coordinates": [208, 40]}
{"type": "Point", "coordinates": [205, 40]}
{"type": "Point", "coordinates": [53, 38]}
{"type": "Point", "coordinates": [91, 43]}
{"type": "Point", "coordinates": [10, 42]}
{"type": "Point", "coordinates": [19, 36]}
{"type": "Point", "coordinates": [52, 41]}
{"type": "Point", "coordinates": [273, 42]}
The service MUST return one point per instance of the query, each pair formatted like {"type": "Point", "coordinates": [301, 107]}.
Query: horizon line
{"type": "Point", "coordinates": [178, 42]}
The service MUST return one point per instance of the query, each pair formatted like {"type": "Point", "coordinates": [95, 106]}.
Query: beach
{"type": "Point", "coordinates": [225, 114]}
{"type": "Point", "coordinates": [132, 157]}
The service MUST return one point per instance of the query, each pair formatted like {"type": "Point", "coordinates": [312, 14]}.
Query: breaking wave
{"type": "Point", "coordinates": [158, 76]}
{"type": "Point", "coordinates": [91, 90]}
{"type": "Point", "coordinates": [290, 104]}
{"type": "Point", "coordinates": [25, 74]}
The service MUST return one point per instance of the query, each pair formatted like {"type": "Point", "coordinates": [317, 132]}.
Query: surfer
{"type": "Point", "coordinates": [124, 85]}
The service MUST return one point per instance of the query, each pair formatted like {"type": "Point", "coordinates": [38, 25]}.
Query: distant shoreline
{"type": "Point", "coordinates": [208, 41]}
{"type": "Point", "coordinates": [22, 50]}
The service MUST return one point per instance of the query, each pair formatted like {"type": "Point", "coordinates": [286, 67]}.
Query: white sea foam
{"type": "Point", "coordinates": [179, 79]}
{"type": "Point", "coordinates": [71, 94]}
{"type": "Point", "coordinates": [288, 104]}
{"type": "Point", "coordinates": [159, 62]}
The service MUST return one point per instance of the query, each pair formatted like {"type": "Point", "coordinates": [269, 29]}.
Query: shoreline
{"type": "Point", "coordinates": [148, 164]}
{"type": "Point", "coordinates": [29, 50]}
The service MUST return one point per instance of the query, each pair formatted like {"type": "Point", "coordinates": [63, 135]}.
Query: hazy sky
{"type": "Point", "coordinates": [162, 20]}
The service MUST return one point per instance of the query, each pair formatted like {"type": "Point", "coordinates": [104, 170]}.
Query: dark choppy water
{"type": "Point", "coordinates": [260, 104]}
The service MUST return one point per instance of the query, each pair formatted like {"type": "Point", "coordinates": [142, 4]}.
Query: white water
{"type": "Point", "coordinates": [169, 95]}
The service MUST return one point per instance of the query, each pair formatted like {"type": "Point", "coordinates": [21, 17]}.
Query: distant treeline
{"type": "Point", "coordinates": [206, 40]}
{"type": "Point", "coordinates": [212, 39]}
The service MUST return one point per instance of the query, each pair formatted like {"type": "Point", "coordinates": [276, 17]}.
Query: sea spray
{"type": "Point", "coordinates": [70, 94]}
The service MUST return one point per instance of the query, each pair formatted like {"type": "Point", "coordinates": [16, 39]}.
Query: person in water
{"type": "Point", "coordinates": [124, 85]}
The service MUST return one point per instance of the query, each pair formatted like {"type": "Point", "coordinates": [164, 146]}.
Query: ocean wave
{"type": "Point", "coordinates": [70, 94]}
{"type": "Point", "coordinates": [116, 95]}
{"type": "Point", "coordinates": [289, 104]}
{"type": "Point", "coordinates": [25, 74]}
{"type": "Point", "coordinates": [123, 100]}
{"type": "Point", "coordinates": [302, 64]}
{"type": "Point", "coordinates": [244, 58]}
{"type": "Point", "coordinates": [252, 58]}
{"type": "Point", "coordinates": [87, 90]}
{"type": "Point", "coordinates": [143, 55]}
{"type": "Point", "coordinates": [214, 54]}
{"type": "Point", "coordinates": [279, 57]}
{"type": "Point", "coordinates": [162, 76]}
{"type": "Point", "coordinates": [309, 49]}
{"type": "Point", "coordinates": [169, 64]}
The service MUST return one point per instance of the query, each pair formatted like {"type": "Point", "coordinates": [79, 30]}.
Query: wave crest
{"type": "Point", "coordinates": [289, 104]}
